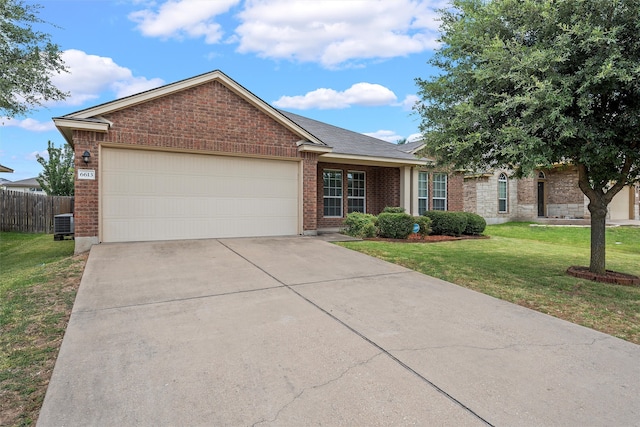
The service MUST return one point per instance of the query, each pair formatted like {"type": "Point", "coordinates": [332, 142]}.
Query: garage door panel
{"type": "Point", "coordinates": [149, 195]}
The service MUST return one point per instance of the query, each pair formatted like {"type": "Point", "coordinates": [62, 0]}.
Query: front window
{"type": "Point", "coordinates": [439, 191]}
{"type": "Point", "coordinates": [423, 192]}
{"type": "Point", "coordinates": [356, 192]}
{"type": "Point", "coordinates": [502, 193]}
{"type": "Point", "coordinates": [332, 193]}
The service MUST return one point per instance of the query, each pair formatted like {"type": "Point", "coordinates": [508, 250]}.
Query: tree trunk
{"type": "Point", "coordinates": [598, 211]}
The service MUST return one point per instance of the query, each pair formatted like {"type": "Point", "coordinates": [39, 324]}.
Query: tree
{"type": "Point", "coordinates": [531, 83]}
{"type": "Point", "coordinates": [28, 59]}
{"type": "Point", "coordinates": [58, 175]}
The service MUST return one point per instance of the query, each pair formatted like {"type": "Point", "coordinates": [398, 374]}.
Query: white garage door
{"type": "Point", "coordinates": [621, 204]}
{"type": "Point", "coordinates": [152, 195]}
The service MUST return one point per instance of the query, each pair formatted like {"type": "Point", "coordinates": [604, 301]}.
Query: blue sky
{"type": "Point", "coordinates": [350, 63]}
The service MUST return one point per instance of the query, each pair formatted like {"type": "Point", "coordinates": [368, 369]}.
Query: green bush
{"type": "Point", "coordinates": [447, 223]}
{"type": "Point", "coordinates": [393, 209]}
{"type": "Point", "coordinates": [360, 225]}
{"type": "Point", "coordinates": [425, 225]}
{"type": "Point", "coordinates": [436, 221]}
{"type": "Point", "coordinates": [395, 225]}
{"type": "Point", "coordinates": [475, 224]}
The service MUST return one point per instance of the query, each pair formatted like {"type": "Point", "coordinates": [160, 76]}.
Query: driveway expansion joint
{"type": "Point", "coordinates": [365, 276]}
{"type": "Point", "coordinates": [506, 347]}
{"type": "Point", "coordinates": [168, 301]}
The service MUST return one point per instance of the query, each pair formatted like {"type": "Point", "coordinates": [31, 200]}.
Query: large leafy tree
{"type": "Point", "coordinates": [57, 176]}
{"type": "Point", "coordinates": [28, 59]}
{"type": "Point", "coordinates": [532, 83]}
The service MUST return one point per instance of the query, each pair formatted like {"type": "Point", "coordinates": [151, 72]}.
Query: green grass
{"type": "Point", "coordinates": [526, 265]}
{"type": "Point", "coordinates": [37, 288]}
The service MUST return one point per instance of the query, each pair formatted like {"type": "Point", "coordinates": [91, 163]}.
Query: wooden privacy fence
{"type": "Point", "coordinates": [31, 213]}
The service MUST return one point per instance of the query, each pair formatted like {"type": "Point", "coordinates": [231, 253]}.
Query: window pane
{"type": "Point", "coordinates": [356, 192]}
{"type": "Point", "coordinates": [332, 193]}
{"type": "Point", "coordinates": [502, 193]}
{"type": "Point", "coordinates": [440, 191]}
{"type": "Point", "coordinates": [438, 204]}
{"type": "Point", "coordinates": [422, 206]}
{"type": "Point", "coordinates": [356, 205]}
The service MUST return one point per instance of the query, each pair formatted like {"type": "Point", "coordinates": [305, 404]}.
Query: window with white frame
{"type": "Point", "coordinates": [502, 193]}
{"type": "Point", "coordinates": [439, 192]}
{"type": "Point", "coordinates": [423, 192]}
{"type": "Point", "coordinates": [332, 193]}
{"type": "Point", "coordinates": [356, 186]}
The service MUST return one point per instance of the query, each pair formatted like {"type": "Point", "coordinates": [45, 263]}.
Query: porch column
{"type": "Point", "coordinates": [405, 188]}
{"type": "Point", "coordinates": [414, 191]}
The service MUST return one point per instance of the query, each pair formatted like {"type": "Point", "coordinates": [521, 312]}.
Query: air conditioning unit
{"type": "Point", "coordinates": [63, 226]}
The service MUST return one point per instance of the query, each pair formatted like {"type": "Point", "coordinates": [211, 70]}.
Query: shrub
{"type": "Point", "coordinates": [425, 225]}
{"type": "Point", "coordinates": [436, 221]}
{"type": "Point", "coordinates": [360, 225]}
{"type": "Point", "coordinates": [395, 225]}
{"type": "Point", "coordinates": [393, 209]}
{"type": "Point", "coordinates": [447, 223]}
{"type": "Point", "coordinates": [475, 224]}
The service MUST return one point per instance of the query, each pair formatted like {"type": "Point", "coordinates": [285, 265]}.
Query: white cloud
{"type": "Point", "coordinates": [363, 94]}
{"type": "Point", "coordinates": [409, 101]}
{"type": "Point", "coordinates": [183, 18]}
{"type": "Point", "coordinates": [385, 135]}
{"type": "Point", "coordinates": [391, 136]}
{"type": "Point", "coordinates": [90, 76]}
{"type": "Point", "coordinates": [28, 124]}
{"type": "Point", "coordinates": [336, 33]}
{"type": "Point", "coordinates": [414, 137]}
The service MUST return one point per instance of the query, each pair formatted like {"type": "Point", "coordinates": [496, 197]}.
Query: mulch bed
{"type": "Point", "coordinates": [608, 277]}
{"type": "Point", "coordinates": [416, 238]}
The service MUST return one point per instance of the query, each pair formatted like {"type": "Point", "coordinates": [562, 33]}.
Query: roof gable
{"type": "Point", "coordinates": [92, 118]}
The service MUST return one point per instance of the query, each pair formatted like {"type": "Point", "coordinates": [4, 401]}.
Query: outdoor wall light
{"type": "Point", "coordinates": [86, 156]}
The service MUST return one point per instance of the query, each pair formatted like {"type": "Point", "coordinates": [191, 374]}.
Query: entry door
{"type": "Point", "coordinates": [541, 198]}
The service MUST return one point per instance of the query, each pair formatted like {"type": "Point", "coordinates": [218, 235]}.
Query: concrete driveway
{"type": "Point", "coordinates": [297, 331]}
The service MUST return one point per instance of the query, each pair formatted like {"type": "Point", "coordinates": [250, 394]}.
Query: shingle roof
{"type": "Point", "coordinates": [29, 182]}
{"type": "Point", "coordinates": [411, 147]}
{"type": "Point", "coordinates": [345, 141]}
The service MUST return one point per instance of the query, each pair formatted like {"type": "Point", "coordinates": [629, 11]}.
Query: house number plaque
{"type": "Point", "coordinates": [87, 174]}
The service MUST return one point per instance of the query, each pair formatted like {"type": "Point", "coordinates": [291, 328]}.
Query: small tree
{"type": "Point", "coordinates": [58, 175]}
{"type": "Point", "coordinates": [28, 59]}
{"type": "Point", "coordinates": [532, 83]}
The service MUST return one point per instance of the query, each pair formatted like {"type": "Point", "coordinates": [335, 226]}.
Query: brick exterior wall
{"type": "Point", "coordinates": [86, 194]}
{"type": "Point", "coordinates": [382, 190]}
{"type": "Point", "coordinates": [208, 118]}
{"type": "Point", "coordinates": [309, 191]}
{"type": "Point", "coordinates": [455, 192]}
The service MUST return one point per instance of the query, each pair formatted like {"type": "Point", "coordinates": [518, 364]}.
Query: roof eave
{"type": "Point", "coordinates": [353, 159]}
{"type": "Point", "coordinates": [308, 147]}
{"type": "Point", "coordinates": [67, 125]}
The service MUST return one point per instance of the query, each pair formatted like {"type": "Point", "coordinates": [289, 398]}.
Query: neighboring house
{"type": "Point", "coordinates": [29, 185]}
{"type": "Point", "coordinates": [205, 158]}
{"type": "Point", "coordinates": [5, 169]}
{"type": "Point", "coordinates": [550, 193]}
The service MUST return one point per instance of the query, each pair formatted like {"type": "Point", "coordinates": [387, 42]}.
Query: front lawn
{"type": "Point", "coordinates": [526, 265]}
{"type": "Point", "coordinates": [38, 285]}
